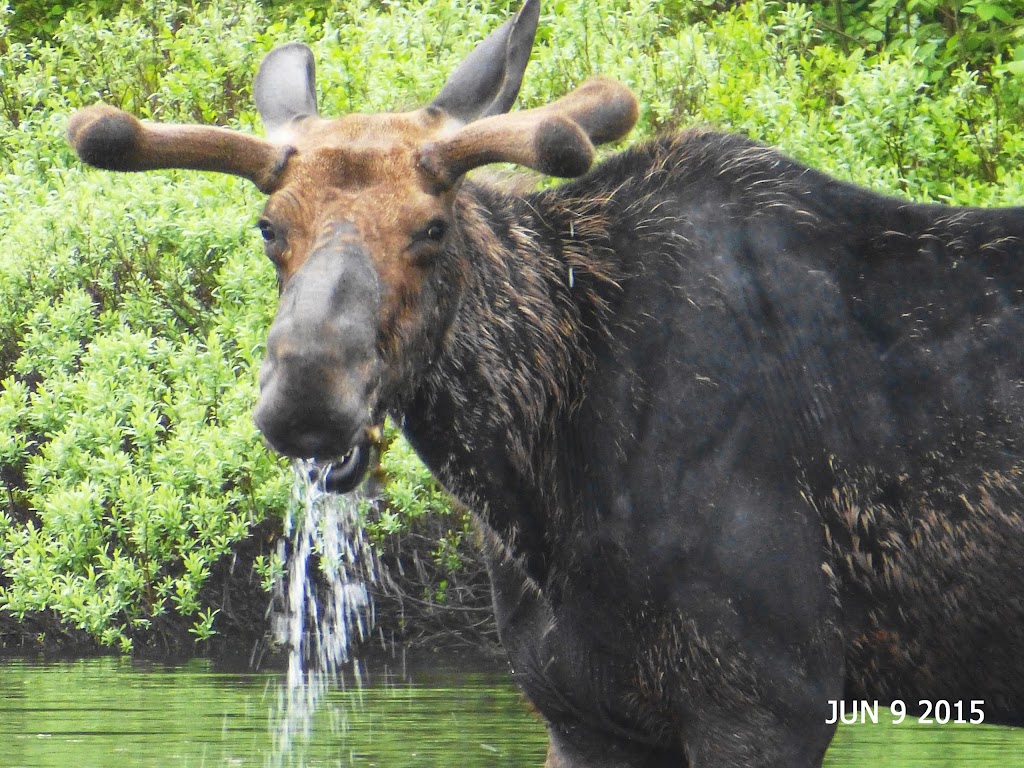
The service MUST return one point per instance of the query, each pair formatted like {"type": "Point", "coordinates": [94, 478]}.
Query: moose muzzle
{"type": "Point", "coordinates": [320, 376]}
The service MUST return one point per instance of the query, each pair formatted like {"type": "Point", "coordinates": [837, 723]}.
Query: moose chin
{"type": "Point", "coordinates": [744, 441]}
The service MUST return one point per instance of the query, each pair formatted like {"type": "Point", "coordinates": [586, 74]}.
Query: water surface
{"type": "Point", "coordinates": [441, 711]}
{"type": "Point", "coordinates": [100, 713]}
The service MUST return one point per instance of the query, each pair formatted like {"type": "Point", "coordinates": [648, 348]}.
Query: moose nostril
{"type": "Point", "coordinates": [281, 340]}
{"type": "Point", "coordinates": [266, 371]}
{"type": "Point", "coordinates": [313, 399]}
{"type": "Point", "coordinates": [307, 430]}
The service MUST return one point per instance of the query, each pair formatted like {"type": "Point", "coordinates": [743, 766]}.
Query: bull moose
{"type": "Point", "coordinates": [744, 441]}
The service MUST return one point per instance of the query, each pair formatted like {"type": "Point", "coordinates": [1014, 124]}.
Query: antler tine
{"type": "Point", "coordinates": [109, 138]}
{"type": "Point", "coordinates": [605, 109]}
{"type": "Point", "coordinates": [557, 139]}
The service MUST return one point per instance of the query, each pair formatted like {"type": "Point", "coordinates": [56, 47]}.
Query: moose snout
{"type": "Point", "coordinates": [314, 398]}
{"type": "Point", "coordinates": [319, 376]}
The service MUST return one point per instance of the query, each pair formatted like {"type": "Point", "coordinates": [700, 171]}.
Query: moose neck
{"type": "Point", "coordinates": [492, 417]}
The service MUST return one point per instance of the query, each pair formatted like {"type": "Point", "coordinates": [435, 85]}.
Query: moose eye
{"type": "Point", "coordinates": [435, 231]}
{"type": "Point", "coordinates": [426, 244]}
{"type": "Point", "coordinates": [274, 242]}
{"type": "Point", "coordinates": [267, 230]}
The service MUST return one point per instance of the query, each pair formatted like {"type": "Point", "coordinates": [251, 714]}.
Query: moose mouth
{"type": "Point", "coordinates": [343, 474]}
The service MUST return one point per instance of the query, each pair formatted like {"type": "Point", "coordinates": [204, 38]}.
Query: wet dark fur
{"type": "Point", "coordinates": [744, 439]}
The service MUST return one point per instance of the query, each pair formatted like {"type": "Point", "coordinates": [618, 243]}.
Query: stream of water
{"type": "Point", "coordinates": [323, 604]}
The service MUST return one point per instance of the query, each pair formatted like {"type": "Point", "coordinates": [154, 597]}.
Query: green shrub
{"type": "Point", "coordinates": [942, 34]}
{"type": "Point", "coordinates": [135, 326]}
{"type": "Point", "coordinates": [133, 308]}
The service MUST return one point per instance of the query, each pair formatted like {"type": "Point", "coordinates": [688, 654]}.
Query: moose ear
{"type": "Point", "coordinates": [487, 82]}
{"type": "Point", "coordinates": [285, 86]}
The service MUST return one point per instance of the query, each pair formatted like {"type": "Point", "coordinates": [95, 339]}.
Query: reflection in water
{"type": "Point", "coordinates": [100, 713]}
{"type": "Point", "coordinates": [437, 712]}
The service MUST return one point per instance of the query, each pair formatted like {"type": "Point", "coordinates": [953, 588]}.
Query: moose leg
{"type": "Point", "coordinates": [757, 739]}
{"type": "Point", "coordinates": [561, 677]}
{"type": "Point", "coordinates": [754, 738]}
{"type": "Point", "coordinates": [754, 653]}
{"type": "Point", "coordinates": [579, 748]}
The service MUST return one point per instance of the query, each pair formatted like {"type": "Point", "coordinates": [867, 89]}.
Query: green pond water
{"type": "Point", "coordinates": [437, 711]}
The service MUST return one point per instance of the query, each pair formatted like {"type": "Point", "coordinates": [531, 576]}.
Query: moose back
{"type": "Point", "coordinates": [745, 441]}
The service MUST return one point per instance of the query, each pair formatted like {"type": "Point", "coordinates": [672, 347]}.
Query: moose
{"type": "Point", "coordinates": [744, 441]}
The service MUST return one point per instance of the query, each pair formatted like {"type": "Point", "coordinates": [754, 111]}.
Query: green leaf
{"type": "Point", "coordinates": [989, 11]}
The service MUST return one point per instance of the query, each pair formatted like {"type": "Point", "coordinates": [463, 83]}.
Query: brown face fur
{"type": "Point", "coordinates": [365, 170]}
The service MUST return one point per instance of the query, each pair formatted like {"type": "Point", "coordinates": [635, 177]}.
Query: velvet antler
{"type": "Point", "coordinates": [557, 139]}
{"type": "Point", "coordinates": [108, 138]}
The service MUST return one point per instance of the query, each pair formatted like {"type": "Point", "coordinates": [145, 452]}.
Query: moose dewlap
{"type": "Point", "coordinates": [744, 440]}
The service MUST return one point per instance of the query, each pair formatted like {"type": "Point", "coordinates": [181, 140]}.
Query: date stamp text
{"type": "Point", "coordinates": [926, 712]}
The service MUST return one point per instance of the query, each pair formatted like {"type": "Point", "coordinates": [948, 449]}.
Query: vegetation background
{"type": "Point", "coordinates": [138, 507]}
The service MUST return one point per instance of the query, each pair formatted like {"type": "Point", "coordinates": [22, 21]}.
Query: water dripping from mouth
{"type": "Point", "coordinates": [322, 607]}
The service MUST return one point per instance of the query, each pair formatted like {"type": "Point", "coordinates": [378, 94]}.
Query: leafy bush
{"type": "Point", "coordinates": [131, 320]}
{"type": "Point", "coordinates": [941, 34]}
{"type": "Point", "coordinates": [435, 585]}
{"type": "Point", "coordinates": [133, 308]}
{"type": "Point", "coordinates": [41, 18]}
